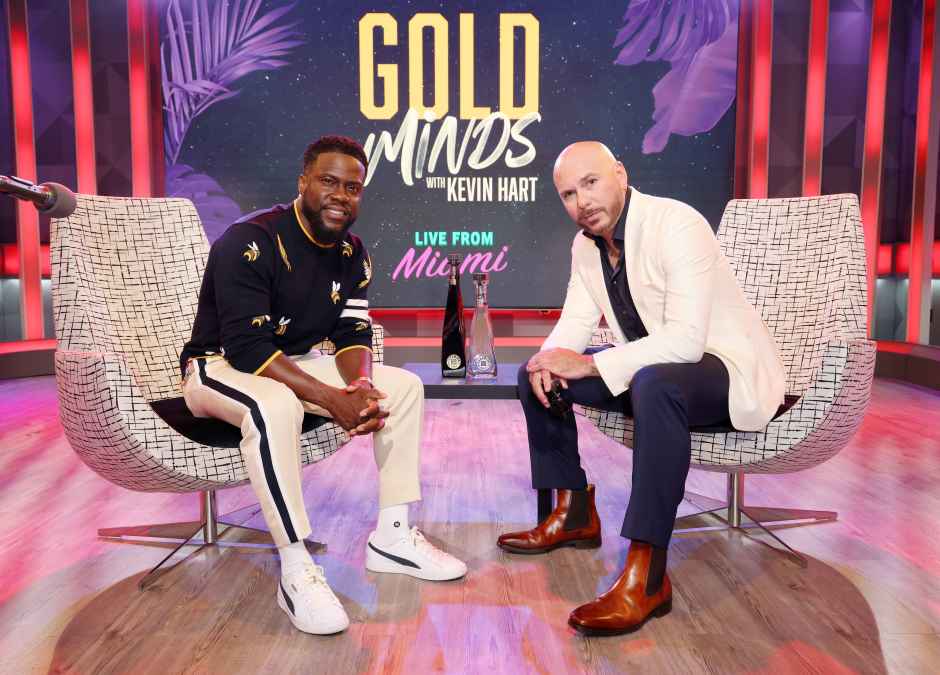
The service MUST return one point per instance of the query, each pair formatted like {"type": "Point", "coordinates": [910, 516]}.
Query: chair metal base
{"type": "Point", "coordinates": [763, 518]}
{"type": "Point", "coordinates": [199, 533]}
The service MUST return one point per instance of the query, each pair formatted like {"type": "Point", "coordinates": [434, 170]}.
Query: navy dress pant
{"type": "Point", "coordinates": [664, 400]}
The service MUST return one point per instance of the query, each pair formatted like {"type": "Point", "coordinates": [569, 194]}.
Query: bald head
{"type": "Point", "coordinates": [592, 185]}
{"type": "Point", "coordinates": [591, 151]}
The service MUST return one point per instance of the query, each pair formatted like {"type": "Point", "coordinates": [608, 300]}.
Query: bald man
{"type": "Point", "coordinates": [689, 351]}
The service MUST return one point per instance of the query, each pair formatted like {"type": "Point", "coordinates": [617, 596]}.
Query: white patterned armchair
{"type": "Point", "coordinates": [126, 275]}
{"type": "Point", "coordinates": [801, 263]}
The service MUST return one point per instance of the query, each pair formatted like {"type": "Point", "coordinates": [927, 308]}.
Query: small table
{"type": "Point", "coordinates": [503, 386]}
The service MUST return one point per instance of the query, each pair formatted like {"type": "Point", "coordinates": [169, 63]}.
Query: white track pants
{"type": "Point", "coordinates": [270, 416]}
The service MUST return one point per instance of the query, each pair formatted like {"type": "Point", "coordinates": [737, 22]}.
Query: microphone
{"type": "Point", "coordinates": [50, 199]}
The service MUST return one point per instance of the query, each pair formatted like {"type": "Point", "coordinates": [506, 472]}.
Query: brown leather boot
{"type": "Point", "coordinates": [574, 522]}
{"type": "Point", "coordinates": [629, 603]}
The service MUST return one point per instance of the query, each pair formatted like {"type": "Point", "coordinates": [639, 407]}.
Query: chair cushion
{"type": "Point", "coordinates": [725, 427]}
{"type": "Point", "coordinates": [208, 431]}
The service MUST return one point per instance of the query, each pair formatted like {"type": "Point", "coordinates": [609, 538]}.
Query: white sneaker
{"type": "Point", "coordinates": [416, 556]}
{"type": "Point", "coordinates": [309, 602]}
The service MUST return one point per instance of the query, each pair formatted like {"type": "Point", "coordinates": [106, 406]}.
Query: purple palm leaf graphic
{"type": "Point", "coordinates": [216, 209]}
{"type": "Point", "coordinates": [205, 51]}
{"type": "Point", "coordinates": [211, 46]}
{"type": "Point", "coordinates": [699, 40]}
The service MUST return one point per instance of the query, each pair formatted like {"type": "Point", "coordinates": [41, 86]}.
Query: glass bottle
{"type": "Point", "coordinates": [481, 362]}
{"type": "Point", "coordinates": [453, 336]}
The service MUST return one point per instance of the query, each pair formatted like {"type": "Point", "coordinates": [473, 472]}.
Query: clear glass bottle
{"type": "Point", "coordinates": [453, 334]}
{"type": "Point", "coordinates": [481, 361]}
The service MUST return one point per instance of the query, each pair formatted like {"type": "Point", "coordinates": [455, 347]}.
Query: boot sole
{"type": "Point", "coordinates": [576, 543]}
{"type": "Point", "coordinates": [660, 611]}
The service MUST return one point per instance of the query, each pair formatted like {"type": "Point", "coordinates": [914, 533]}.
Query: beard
{"type": "Point", "coordinates": [321, 232]}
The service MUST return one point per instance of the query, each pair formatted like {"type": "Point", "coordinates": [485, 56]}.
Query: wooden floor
{"type": "Point", "coordinates": [869, 601]}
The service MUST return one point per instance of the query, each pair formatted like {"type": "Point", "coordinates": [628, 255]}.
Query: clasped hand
{"type": "Point", "coordinates": [356, 408]}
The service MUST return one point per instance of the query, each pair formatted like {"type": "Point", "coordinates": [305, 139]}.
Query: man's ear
{"type": "Point", "coordinates": [301, 183]}
{"type": "Point", "coordinates": [621, 172]}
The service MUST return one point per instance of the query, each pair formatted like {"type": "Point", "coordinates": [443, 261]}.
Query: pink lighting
{"type": "Point", "coordinates": [138, 81]}
{"type": "Point", "coordinates": [874, 136]}
{"type": "Point", "coordinates": [761, 76]}
{"type": "Point", "coordinates": [25, 151]}
{"type": "Point", "coordinates": [83, 100]}
{"type": "Point", "coordinates": [923, 210]}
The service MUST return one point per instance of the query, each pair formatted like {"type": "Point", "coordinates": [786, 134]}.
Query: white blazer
{"type": "Point", "coordinates": [689, 301]}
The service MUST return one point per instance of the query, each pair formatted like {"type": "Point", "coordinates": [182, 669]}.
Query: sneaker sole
{"type": "Point", "coordinates": [376, 563]}
{"type": "Point", "coordinates": [282, 603]}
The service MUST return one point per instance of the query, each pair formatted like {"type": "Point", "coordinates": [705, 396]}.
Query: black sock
{"type": "Point", "coordinates": [578, 515]}
{"type": "Point", "coordinates": [657, 570]}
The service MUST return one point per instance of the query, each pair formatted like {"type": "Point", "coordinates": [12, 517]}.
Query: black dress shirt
{"type": "Point", "coordinates": [618, 287]}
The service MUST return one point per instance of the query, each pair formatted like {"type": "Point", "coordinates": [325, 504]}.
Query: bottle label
{"type": "Point", "coordinates": [481, 363]}
{"type": "Point", "coordinates": [454, 361]}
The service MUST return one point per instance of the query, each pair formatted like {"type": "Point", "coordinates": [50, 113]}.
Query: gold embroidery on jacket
{"type": "Point", "coordinates": [367, 270]}
{"type": "Point", "coordinates": [252, 252]}
{"type": "Point", "coordinates": [280, 246]}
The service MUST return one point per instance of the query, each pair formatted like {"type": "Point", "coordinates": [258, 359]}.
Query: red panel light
{"type": "Point", "coordinates": [83, 99]}
{"type": "Point", "coordinates": [25, 151]}
{"type": "Point", "coordinates": [874, 137]}
{"type": "Point", "coordinates": [139, 85]}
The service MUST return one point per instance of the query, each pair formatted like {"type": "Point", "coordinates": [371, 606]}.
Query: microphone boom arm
{"type": "Point", "coordinates": [51, 199]}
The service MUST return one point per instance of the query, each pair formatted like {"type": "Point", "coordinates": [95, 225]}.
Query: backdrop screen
{"type": "Point", "coordinates": [462, 108]}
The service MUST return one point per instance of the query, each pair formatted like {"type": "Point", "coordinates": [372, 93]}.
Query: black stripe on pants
{"type": "Point", "coordinates": [265, 450]}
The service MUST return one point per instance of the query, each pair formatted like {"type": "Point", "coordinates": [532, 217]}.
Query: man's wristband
{"type": "Point", "coordinates": [364, 379]}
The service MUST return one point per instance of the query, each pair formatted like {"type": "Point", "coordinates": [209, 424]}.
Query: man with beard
{"type": "Point", "coordinates": [690, 351]}
{"type": "Point", "coordinates": [278, 282]}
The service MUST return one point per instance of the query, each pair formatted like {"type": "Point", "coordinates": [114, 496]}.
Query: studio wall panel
{"type": "Point", "coordinates": [846, 88]}
{"type": "Point", "coordinates": [53, 116]}
{"type": "Point", "coordinates": [108, 22]}
{"type": "Point", "coordinates": [900, 118]}
{"type": "Point", "coordinates": [785, 171]}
